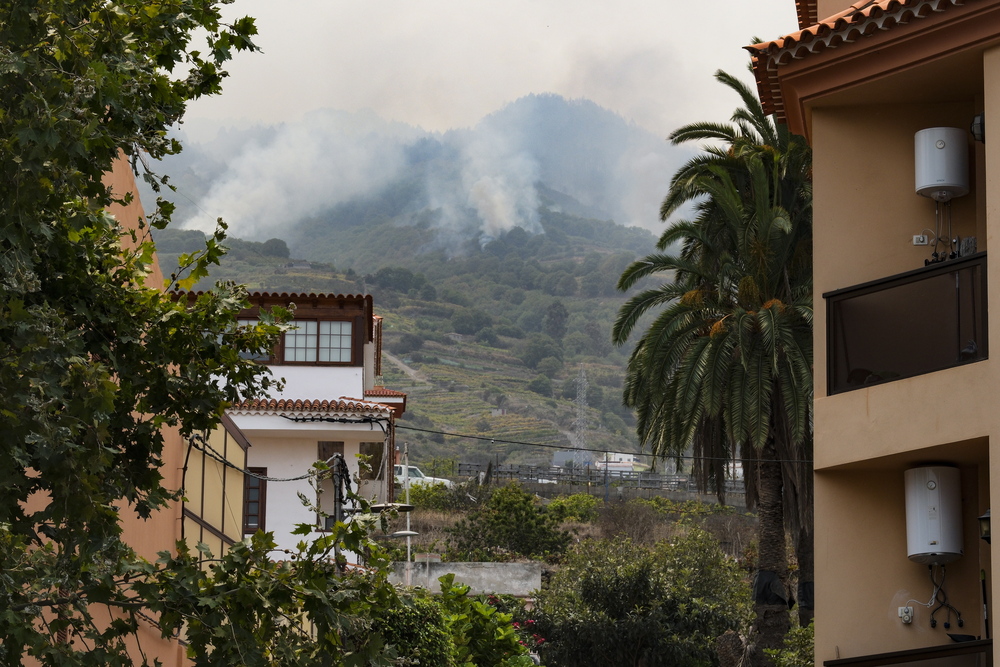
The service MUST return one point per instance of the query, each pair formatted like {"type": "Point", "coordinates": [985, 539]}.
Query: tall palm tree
{"type": "Point", "coordinates": [725, 367]}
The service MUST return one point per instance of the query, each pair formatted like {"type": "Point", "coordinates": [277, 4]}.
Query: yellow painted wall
{"type": "Point", "coordinates": [214, 493]}
{"type": "Point", "coordinates": [865, 575]}
{"type": "Point", "coordinates": [866, 213]}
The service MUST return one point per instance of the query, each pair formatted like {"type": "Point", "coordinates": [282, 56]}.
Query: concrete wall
{"type": "Point", "coordinates": [518, 579]}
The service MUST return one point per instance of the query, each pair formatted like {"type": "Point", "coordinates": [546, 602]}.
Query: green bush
{"type": "Point", "coordinates": [417, 628]}
{"type": "Point", "coordinates": [482, 635]}
{"type": "Point", "coordinates": [684, 508]}
{"type": "Point", "coordinates": [439, 497]}
{"type": "Point", "coordinates": [581, 507]}
{"type": "Point", "coordinates": [617, 603]}
{"type": "Point", "coordinates": [541, 385]}
{"type": "Point", "coordinates": [798, 650]}
{"type": "Point", "coordinates": [406, 343]}
{"type": "Point", "coordinates": [506, 526]}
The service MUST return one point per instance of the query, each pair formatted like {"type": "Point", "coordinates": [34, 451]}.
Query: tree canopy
{"type": "Point", "coordinates": [613, 602]}
{"type": "Point", "coordinates": [725, 367]}
{"type": "Point", "coordinates": [94, 364]}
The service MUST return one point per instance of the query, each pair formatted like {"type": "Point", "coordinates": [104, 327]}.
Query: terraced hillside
{"type": "Point", "coordinates": [490, 345]}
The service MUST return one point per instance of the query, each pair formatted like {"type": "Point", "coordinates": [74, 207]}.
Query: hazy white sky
{"type": "Point", "coordinates": [440, 64]}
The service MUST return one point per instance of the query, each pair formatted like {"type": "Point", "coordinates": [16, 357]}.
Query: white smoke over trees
{"type": "Point", "coordinates": [482, 181]}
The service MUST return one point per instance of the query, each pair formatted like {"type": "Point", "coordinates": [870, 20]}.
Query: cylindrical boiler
{"type": "Point", "coordinates": [942, 162]}
{"type": "Point", "coordinates": [933, 514]}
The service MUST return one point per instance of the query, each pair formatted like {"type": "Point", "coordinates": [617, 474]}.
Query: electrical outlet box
{"type": "Point", "coordinates": [921, 239]}
{"type": "Point", "coordinates": [906, 614]}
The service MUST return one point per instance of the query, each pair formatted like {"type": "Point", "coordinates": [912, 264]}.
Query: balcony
{"type": "Point", "coordinates": [913, 323]}
{"type": "Point", "coordinates": [977, 653]}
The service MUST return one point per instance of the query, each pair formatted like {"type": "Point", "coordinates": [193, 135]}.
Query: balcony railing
{"type": "Point", "coordinates": [978, 653]}
{"type": "Point", "coordinates": [913, 323]}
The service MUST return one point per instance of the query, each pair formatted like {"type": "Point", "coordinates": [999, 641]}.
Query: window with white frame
{"type": "Point", "coordinates": [326, 341]}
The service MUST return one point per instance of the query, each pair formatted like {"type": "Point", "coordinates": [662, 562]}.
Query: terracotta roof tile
{"type": "Point", "coordinates": [284, 295]}
{"type": "Point", "coordinates": [310, 295]}
{"type": "Point", "coordinates": [806, 11]}
{"type": "Point", "coordinates": [343, 404]}
{"type": "Point", "coordinates": [862, 19]}
{"type": "Point", "coordinates": [384, 392]}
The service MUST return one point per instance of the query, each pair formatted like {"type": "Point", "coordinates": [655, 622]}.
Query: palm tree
{"type": "Point", "coordinates": [725, 367]}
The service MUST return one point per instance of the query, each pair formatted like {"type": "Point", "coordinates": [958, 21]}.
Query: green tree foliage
{"type": "Point", "coordinates": [541, 385]}
{"type": "Point", "coordinates": [576, 507]}
{"type": "Point", "coordinates": [275, 248]}
{"type": "Point", "coordinates": [406, 343]}
{"type": "Point", "coordinates": [439, 497]}
{"type": "Point", "coordinates": [556, 317]}
{"type": "Point", "coordinates": [470, 321]}
{"type": "Point", "coordinates": [799, 649]}
{"type": "Point", "coordinates": [508, 525]}
{"type": "Point", "coordinates": [247, 609]}
{"type": "Point", "coordinates": [549, 367]}
{"type": "Point", "coordinates": [483, 636]}
{"type": "Point", "coordinates": [488, 336]}
{"type": "Point", "coordinates": [613, 602]}
{"type": "Point", "coordinates": [725, 367]}
{"type": "Point", "coordinates": [416, 626]}
{"type": "Point", "coordinates": [538, 347]}
{"type": "Point", "coordinates": [397, 279]}
{"type": "Point", "coordinates": [94, 365]}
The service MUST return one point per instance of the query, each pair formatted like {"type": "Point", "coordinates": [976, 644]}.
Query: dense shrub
{"type": "Point", "coordinates": [581, 507]}
{"type": "Point", "coordinates": [538, 347]}
{"type": "Point", "coordinates": [275, 248]}
{"type": "Point", "coordinates": [406, 343]}
{"type": "Point", "coordinates": [482, 635]}
{"type": "Point", "coordinates": [453, 629]}
{"type": "Point", "coordinates": [617, 603]}
{"type": "Point", "coordinates": [488, 336]}
{"type": "Point", "coordinates": [509, 330]}
{"type": "Point", "coordinates": [798, 649]}
{"type": "Point", "coordinates": [440, 498]}
{"type": "Point", "coordinates": [684, 508]}
{"type": "Point", "coordinates": [506, 526]}
{"type": "Point", "coordinates": [634, 520]}
{"type": "Point", "coordinates": [417, 628]}
{"type": "Point", "coordinates": [541, 385]}
{"type": "Point", "coordinates": [549, 367]}
{"type": "Point", "coordinates": [470, 321]}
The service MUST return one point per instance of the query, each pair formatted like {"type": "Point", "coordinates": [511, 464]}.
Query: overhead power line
{"type": "Point", "coordinates": [504, 441]}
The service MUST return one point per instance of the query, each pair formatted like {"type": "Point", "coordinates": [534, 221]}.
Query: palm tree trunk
{"type": "Point", "coordinates": [770, 581]}
{"type": "Point", "coordinates": [804, 555]}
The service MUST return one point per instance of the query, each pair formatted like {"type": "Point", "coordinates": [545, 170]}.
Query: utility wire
{"type": "Point", "coordinates": [502, 441]}
{"type": "Point", "coordinates": [201, 444]}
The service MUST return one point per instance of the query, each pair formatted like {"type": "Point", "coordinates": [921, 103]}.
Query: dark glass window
{"type": "Point", "coordinates": [328, 448]}
{"type": "Point", "coordinates": [254, 500]}
{"type": "Point", "coordinates": [906, 325]}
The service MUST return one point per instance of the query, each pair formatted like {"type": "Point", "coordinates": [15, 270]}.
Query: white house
{"type": "Point", "coordinates": [329, 405]}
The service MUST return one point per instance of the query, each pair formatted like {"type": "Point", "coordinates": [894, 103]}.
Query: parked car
{"type": "Point", "coordinates": [417, 478]}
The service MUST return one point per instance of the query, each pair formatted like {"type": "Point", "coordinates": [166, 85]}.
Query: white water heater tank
{"type": "Point", "coordinates": [942, 162]}
{"type": "Point", "coordinates": [933, 514]}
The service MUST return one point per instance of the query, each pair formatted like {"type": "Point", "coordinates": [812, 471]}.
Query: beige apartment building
{"type": "Point", "coordinates": [904, 378]}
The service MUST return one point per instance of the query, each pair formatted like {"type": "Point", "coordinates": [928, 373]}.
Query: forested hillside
{"type": "Point", "coordinates": [492, 252]}
{"type": "Point", "coordinates": [490, 343]}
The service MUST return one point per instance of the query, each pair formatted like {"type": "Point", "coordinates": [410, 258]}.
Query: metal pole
{"type": "Point", "coordinates": [606, 483]}
{"type": "Point", "coordinates": [406, 491]}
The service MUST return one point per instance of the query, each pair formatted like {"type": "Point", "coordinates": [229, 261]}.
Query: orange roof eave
{"type": "Point", "coordinates": [865, 25]}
